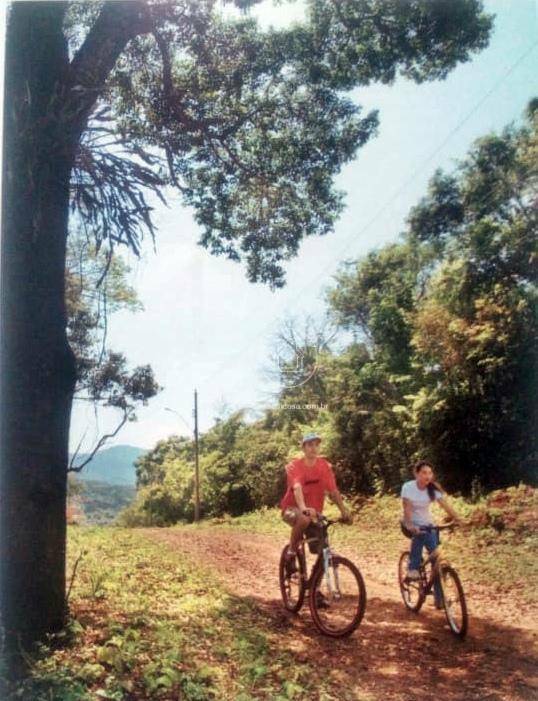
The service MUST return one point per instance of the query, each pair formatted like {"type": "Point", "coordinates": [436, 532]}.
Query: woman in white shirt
{"type": "Point", "coordinates": [417, 496]}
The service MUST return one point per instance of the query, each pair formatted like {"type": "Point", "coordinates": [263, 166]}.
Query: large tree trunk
{"type": "Point", "coordinates": [37, 365]}
{"type": "Point", "coordinates": [46, 108]}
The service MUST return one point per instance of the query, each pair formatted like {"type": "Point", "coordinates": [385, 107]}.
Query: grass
{"type": "Point", "coordinates": [496, 550]}
{"type": "Point", "coordinates": [149, 625]}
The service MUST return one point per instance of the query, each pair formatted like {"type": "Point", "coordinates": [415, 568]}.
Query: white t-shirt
{"type": "Point", "coordinates": [420, 501]}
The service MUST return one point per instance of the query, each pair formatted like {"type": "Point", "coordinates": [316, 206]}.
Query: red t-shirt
{"type": "Point", "coordinates": [315, 481]}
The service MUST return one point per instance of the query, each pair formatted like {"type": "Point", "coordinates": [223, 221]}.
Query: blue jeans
{"type": "Point", "coordinates": [430, 539]}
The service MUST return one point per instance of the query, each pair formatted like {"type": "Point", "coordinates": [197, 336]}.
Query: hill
{"type": "Point", "coordinates": [113, 465]}
{"type": "Point", "coordinates": [101, 502]}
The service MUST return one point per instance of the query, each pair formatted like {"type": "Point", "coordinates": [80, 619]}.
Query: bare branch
{"type": "Point", "coordinates": [77, 450]}
{"type": "Point", "coordinates": [105, 329]}
{"type": "Point", "coordinates": [100, 443]}
{"type": "Point", "coordinates": [79, 558]}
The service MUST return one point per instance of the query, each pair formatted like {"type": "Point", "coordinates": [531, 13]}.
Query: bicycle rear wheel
{"type": "Point", "coordinates": [454, 601]}
{"type": "Point", "coordinates": [292, 585]}
{"type": "Point", "coordinates": [337, 598]}
{"type": "Point", "coordinates": [411, 589]}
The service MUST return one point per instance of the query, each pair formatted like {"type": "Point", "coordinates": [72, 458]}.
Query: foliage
{"type": "Point", "coordinates": [96, 286]}
{"type": "Point", "coordinates": [241, 467]}
{"type": "Point", "coordinates": [250, 126]}
{"type": "Point", "coordinates": [447, 318]}
{"type": "Point", "coordinates": [147, 623]}
{"type": "Point", "coordinates": [100, 502]}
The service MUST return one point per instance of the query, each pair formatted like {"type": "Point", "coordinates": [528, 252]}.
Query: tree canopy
{"type": "Point", "coordinates": [250, 125]}
{"type": "Point", "coordinates": [449, 316]}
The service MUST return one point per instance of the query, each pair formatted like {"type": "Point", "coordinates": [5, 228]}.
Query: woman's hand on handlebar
{"type": "Point", "coordinates": [452, 523]}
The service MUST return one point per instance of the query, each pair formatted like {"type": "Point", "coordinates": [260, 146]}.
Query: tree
{"type": "Point", "coordinates": [301, 349]}
{"type": "Point", "coordinates": [241, 468]}
{"type": "Point", "coordinates": [249, 126]}
{"type": "Point", "coordinates": [376, 298]}
{"type": "Point", "coordinates": [96, 287]}
{"type": "Point", "coordinates": [449, 324]}
{"type": "Point", "coordinates": [476, 328]}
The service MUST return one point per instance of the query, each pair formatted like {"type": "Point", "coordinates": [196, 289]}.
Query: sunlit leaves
{"type": "Point", "coordinates": [449, 317]}
{"type": "Point", "coordinates": [252, 126]}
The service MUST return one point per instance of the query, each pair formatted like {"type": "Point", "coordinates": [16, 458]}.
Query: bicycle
{"type": "Point", "coordinates": [434, 567]}
{"type": "Point", "coordinates": [337, 595]}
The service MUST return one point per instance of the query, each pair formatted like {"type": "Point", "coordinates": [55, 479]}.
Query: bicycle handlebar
{"type": "Point", "coordinates": [323, 519]}
{"type": "Point", "coordinates": [443, 527]}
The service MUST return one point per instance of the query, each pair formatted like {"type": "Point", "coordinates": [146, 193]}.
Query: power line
{"type": "Point", "coordinates": [418, 170]}
{"type": "Point", "coordinates": [392, 198]}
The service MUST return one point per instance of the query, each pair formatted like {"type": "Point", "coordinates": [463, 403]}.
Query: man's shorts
{"type": "Point", "coordinates": [290, 515]}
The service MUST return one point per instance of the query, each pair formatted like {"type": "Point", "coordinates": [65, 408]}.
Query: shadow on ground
{"type": "Point", "coordinates": [397, 654]}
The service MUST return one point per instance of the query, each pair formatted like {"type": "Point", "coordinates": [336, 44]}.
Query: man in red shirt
{"type": "Point", "coordinates": [308, 479]}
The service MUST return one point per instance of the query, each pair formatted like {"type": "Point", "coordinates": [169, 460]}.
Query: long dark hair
{"type": "Point", "coordinates": [431, 486]}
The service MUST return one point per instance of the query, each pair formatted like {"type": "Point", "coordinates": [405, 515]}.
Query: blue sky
{"type": "Point", "coordinates": [205, 326]}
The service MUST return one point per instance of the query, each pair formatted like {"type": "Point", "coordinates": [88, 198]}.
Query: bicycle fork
{"type": "Point", "coordinates": [334, 591]}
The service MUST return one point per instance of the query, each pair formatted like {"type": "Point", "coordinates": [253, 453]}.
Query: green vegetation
{"type": "Point", "coordinates": [241, 467]}
{"type": "Point", "coordinates": [448, 321]}
{"type": "Point", "coordinates": [443, 364]}
{"type": "Point", "coordinates": [100, 502]}
{"type": "Point", "coordinates": [150, 623]}
{"type": "Point", "coordinates": [147, 624]}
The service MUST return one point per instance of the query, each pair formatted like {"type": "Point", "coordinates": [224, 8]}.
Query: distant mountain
{"type": "Point", "coordinates": [113, 465]}
{"type": "Point", "coordinates": [101, 502]}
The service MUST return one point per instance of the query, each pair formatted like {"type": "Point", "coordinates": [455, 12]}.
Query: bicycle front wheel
{"type": "Point", "coordinates": [337, 598]}
{"type": "Point", "coordinates": [292, 585]}
{"type": "Point", "coordinates": [454, 601]}
{"type": "Point", "coordinates": [411, 590]}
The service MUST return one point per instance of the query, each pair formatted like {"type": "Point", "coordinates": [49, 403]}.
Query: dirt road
{"type": "Point", "coordinates": [395, 655]}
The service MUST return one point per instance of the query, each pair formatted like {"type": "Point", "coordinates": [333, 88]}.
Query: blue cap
{"type": "Point", "coordinates": [310, 437]}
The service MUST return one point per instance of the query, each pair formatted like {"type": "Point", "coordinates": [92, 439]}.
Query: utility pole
{"type": "Point", "coordinates": [196, 463]}
{"type": "Point", "coordinates": [196, 467]}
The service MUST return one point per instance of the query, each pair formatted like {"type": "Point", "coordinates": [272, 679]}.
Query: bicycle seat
{"type": "Point", "coordinates": [313, 530]}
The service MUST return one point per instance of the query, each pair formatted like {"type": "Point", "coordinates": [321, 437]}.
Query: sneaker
{"type": "Point", "coordinates": [413, 574]}
{"type": "Point", "coordinates": [291, 564]}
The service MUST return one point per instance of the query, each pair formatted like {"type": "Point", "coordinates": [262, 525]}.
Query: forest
{"type": "Point", "coordinates": [442, 362]}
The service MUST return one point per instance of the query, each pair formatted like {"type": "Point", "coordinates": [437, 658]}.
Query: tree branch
{"type": "Point", "coordinates": [118, 22]}
{"type": "Point", "coordinates": [100, 444]}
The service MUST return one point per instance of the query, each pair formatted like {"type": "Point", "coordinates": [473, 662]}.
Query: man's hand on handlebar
{"type": "Point", "coordinates": [347, 517]}
{"type": "Point", "coordinates": [311, 513]}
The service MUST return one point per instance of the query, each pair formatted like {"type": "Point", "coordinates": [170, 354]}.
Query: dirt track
{"type": "Point", "coordinates": [395, 654]}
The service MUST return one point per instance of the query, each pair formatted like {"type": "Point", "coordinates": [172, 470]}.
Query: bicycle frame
{"type": "Point", "coordinates": [332, 581]}
{"type": "Point", "coordinates": [441, 573]}
{"type": "Point", "coordinates": [436, 558]}
{"type": "Point", "coordinates": [323, 558]}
